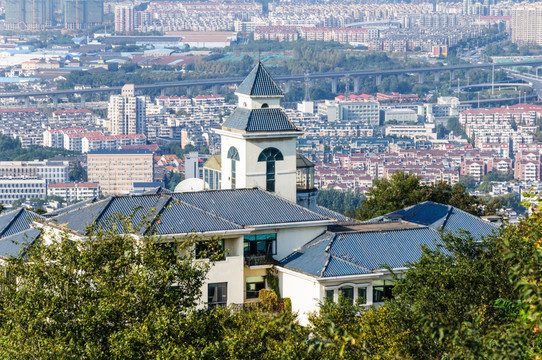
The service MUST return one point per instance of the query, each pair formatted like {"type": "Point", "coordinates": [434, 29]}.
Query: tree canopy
{"type": "Point", "coordinates": [402, 190]}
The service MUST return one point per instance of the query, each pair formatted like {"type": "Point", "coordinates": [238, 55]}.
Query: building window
{"type": "Point", "coordinates": [382, 290]}
{"type": "Point", "coordinates": [233, 154]}
{"type": "Point", "coordinates": [210, 248]}
{"type": "Point", "coordinates": [260, 245]}
{"type": "Point", "coordinates": [362, 295]}
{"type": "Point", "coordinates": [217, 294]}
{"type": "Point", "coordinates": [254, 285]}
{"type": "Point", "coordinates": [270, 156]}
{"type": "Point", "coordinates": [347, 293]}
{"type": "Point", "coordinates": [330, 294]}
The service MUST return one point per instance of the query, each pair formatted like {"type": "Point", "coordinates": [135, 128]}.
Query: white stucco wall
{"type": "Point", "coordinates": [250, 172]}
{"type": "Point", "coordinates": [303, 291]}
{"type": "Point", "coordinates": [246, 101]}
{"type": "Point", "coordinates": [230, 271]}
{"type": "Point", "coordinates": [291, 239]}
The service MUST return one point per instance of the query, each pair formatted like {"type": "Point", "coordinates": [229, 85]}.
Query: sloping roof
{"type": "Point", "coordinates": [14, 244]}
{"type": "Point", "coordinates": [395, 239]}
{"type": "Point", "coordinates": [361, 252]}
{"type": "Point", "coordinates": [440, 217]}
{"type": "Point", "coordinates": [70, 207]}
{"type": "Point", "coordinates": [259, 83]}
{"type": "Point", "coordinates": [16, 231]}
{"type": "Point", "coordinates": [332, 214]}
{"type": "Point", "coordinates": [214, 162]}
{"type": "Point", "coordinates": [267, 119]}
{"type": "Point", "coordinates": [16, 221]}
{"type": "Point", "coordinates": [201, 211]}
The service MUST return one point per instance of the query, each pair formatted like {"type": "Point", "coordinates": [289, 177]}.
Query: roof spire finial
{"type": "Point", "coordinates": [259, 55]}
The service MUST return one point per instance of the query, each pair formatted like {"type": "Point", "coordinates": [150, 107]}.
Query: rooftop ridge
{"type": "Point", "coordinates": [173, 200]}
{"type": "Point", "coordinates": [259, 83]}
{"type": "Point", "coordinates": [16, 215]}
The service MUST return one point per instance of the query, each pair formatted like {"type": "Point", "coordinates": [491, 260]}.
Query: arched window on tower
{"type": "Point", "coordinates": [233, 154]}
{"type": "Point", "coordinates": [270, 156]}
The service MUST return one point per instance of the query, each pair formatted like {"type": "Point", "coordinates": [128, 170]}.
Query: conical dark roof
{"type": "Point", "coordinates": [259, 83]}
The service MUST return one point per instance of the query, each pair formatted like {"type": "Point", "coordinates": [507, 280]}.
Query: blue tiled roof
{"type": "Point", "coordinates": [267, 119]}
{"type": "Point", "coordinates": [332, 214]}
{"type": "Point", "coordinates": [201, 211]}
{"type": "Point", "coordinates": [361, 252]}
{"type": "Point", "coordinates": [16, 221]}
{"type": "Point", "coordinates": [441, 217]}
{"type": "Point", "coordinates": [394, 239]}
{"type": "Point", "coordinates": [249, 206]}
{"type": "Point", "coordinates": [71, 207]}
{"type": "Point", "coordinates": [259, 83]}
{"type": "Point", "coordinates": [14, 244]}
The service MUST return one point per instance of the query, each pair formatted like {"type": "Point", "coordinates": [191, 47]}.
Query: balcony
{"type": "Point", "coordinates": [258, 260]}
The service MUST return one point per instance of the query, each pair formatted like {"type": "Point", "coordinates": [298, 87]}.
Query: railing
{"type": "Point", "coordinates": [254, 260]}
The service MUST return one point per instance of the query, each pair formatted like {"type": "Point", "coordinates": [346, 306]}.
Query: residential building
{"type": "Point", "coordinates": [29, 14]}
{"type": "Point", "coordinates": [50, 171]}
{"type": "Point", "coordinates": [126, 112]}
{"type": "Point", "coordinates": [117, 170]}
{"type": "Point", "coordinates": [72, 192]}
{"type": "Point", "coordinates": [16, 188]}
{"type": "Point", "coordinates": [357, 260]}
{"type": "Point", "coordinates": [82, 14]}
{"type": "Point", "coordinates": [527, 24]}
{"type": "Point", "coordinates": [124, 18]}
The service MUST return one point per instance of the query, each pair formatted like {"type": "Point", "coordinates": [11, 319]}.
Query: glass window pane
{"type": "Point", "coordinates": [347, 292]}
{"type": "Point", "coordinates": [329, 295]}
{"type": "Point", "coordinates": [362, 295]}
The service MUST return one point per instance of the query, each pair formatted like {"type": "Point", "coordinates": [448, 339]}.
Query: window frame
{"type": "Point", "coordinates": [223, 296]}
{"type": "Point", "coordinates": [271, 240]}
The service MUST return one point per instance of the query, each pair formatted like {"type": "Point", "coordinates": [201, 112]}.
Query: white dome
{"type": "Point", "coordinates": [192, 184]}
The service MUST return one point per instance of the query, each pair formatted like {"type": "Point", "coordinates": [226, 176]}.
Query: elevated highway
{"type": "Point", "coordinates": [334, 76]}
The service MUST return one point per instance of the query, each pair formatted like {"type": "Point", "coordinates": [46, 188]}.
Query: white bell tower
{"type": "Point", "coordinates": [258, 139]}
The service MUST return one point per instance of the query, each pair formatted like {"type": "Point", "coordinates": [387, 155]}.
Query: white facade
{"type": "Point", "coordinates": [51, 171]}
{"type": "Point", "coordinates": [74, 191]}
{"type": "Point", "coordinates": [12, 189]}
{"type": "Point", "coordinates": [126, 113]}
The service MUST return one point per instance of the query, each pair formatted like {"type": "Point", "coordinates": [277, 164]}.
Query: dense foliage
{"type": "Point", "coordinates": [403, 190]}
{"type": "Point", "coordinates": [341, 201]}
{"type": "Point", "coordinates": [112, 297]}
{"type": "Point", "coordinates": [11, 150]}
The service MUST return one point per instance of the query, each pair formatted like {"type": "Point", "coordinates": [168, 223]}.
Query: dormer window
{"type": "Point", "coordinates": [265, 106]}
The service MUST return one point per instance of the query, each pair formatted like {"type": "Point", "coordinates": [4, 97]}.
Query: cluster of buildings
{"type": "Point", "coordinates": [26, 180]}
{"type": "Point", "coordinates": [504, 130]}
{"type": "Point", "coordinates": [176, 16]}
{"type": "Point", "coordinates": [43, 14]}
{"type": "Point", "coordinates": [82, 140]}
{"type": "Point", "coordinates": [316, 254]}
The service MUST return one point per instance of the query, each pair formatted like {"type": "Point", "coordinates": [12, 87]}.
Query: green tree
{"type": "Point", "coordinates": [78, 173]}
{"type": "Point", "coordinates": [401, 190]}
{"type": "Point", "coordinates": [113, 297]}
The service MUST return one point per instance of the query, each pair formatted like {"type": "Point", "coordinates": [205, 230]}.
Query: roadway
{"type": "Point", "coordinates": [279, 78]}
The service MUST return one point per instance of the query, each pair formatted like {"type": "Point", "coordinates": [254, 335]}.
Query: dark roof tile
{"type": "Point", "coordinates": [259, 83]}
{"type": "Point", "coordinates": [267, 119]}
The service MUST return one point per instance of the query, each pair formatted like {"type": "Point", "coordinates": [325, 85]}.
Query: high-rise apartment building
{"type": "Point", "coordinates": [117, 170]}
{"type": "Point", "coordinates": [81, 14]}
{"type": "Point", "coordinates": [527, 24]}
{"type": "Point", "coordinates": [124, 18]}
{"type": "Point", "coordinates": [29, 14]}
{"type": "Point", "coordinates": [126, 112]}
